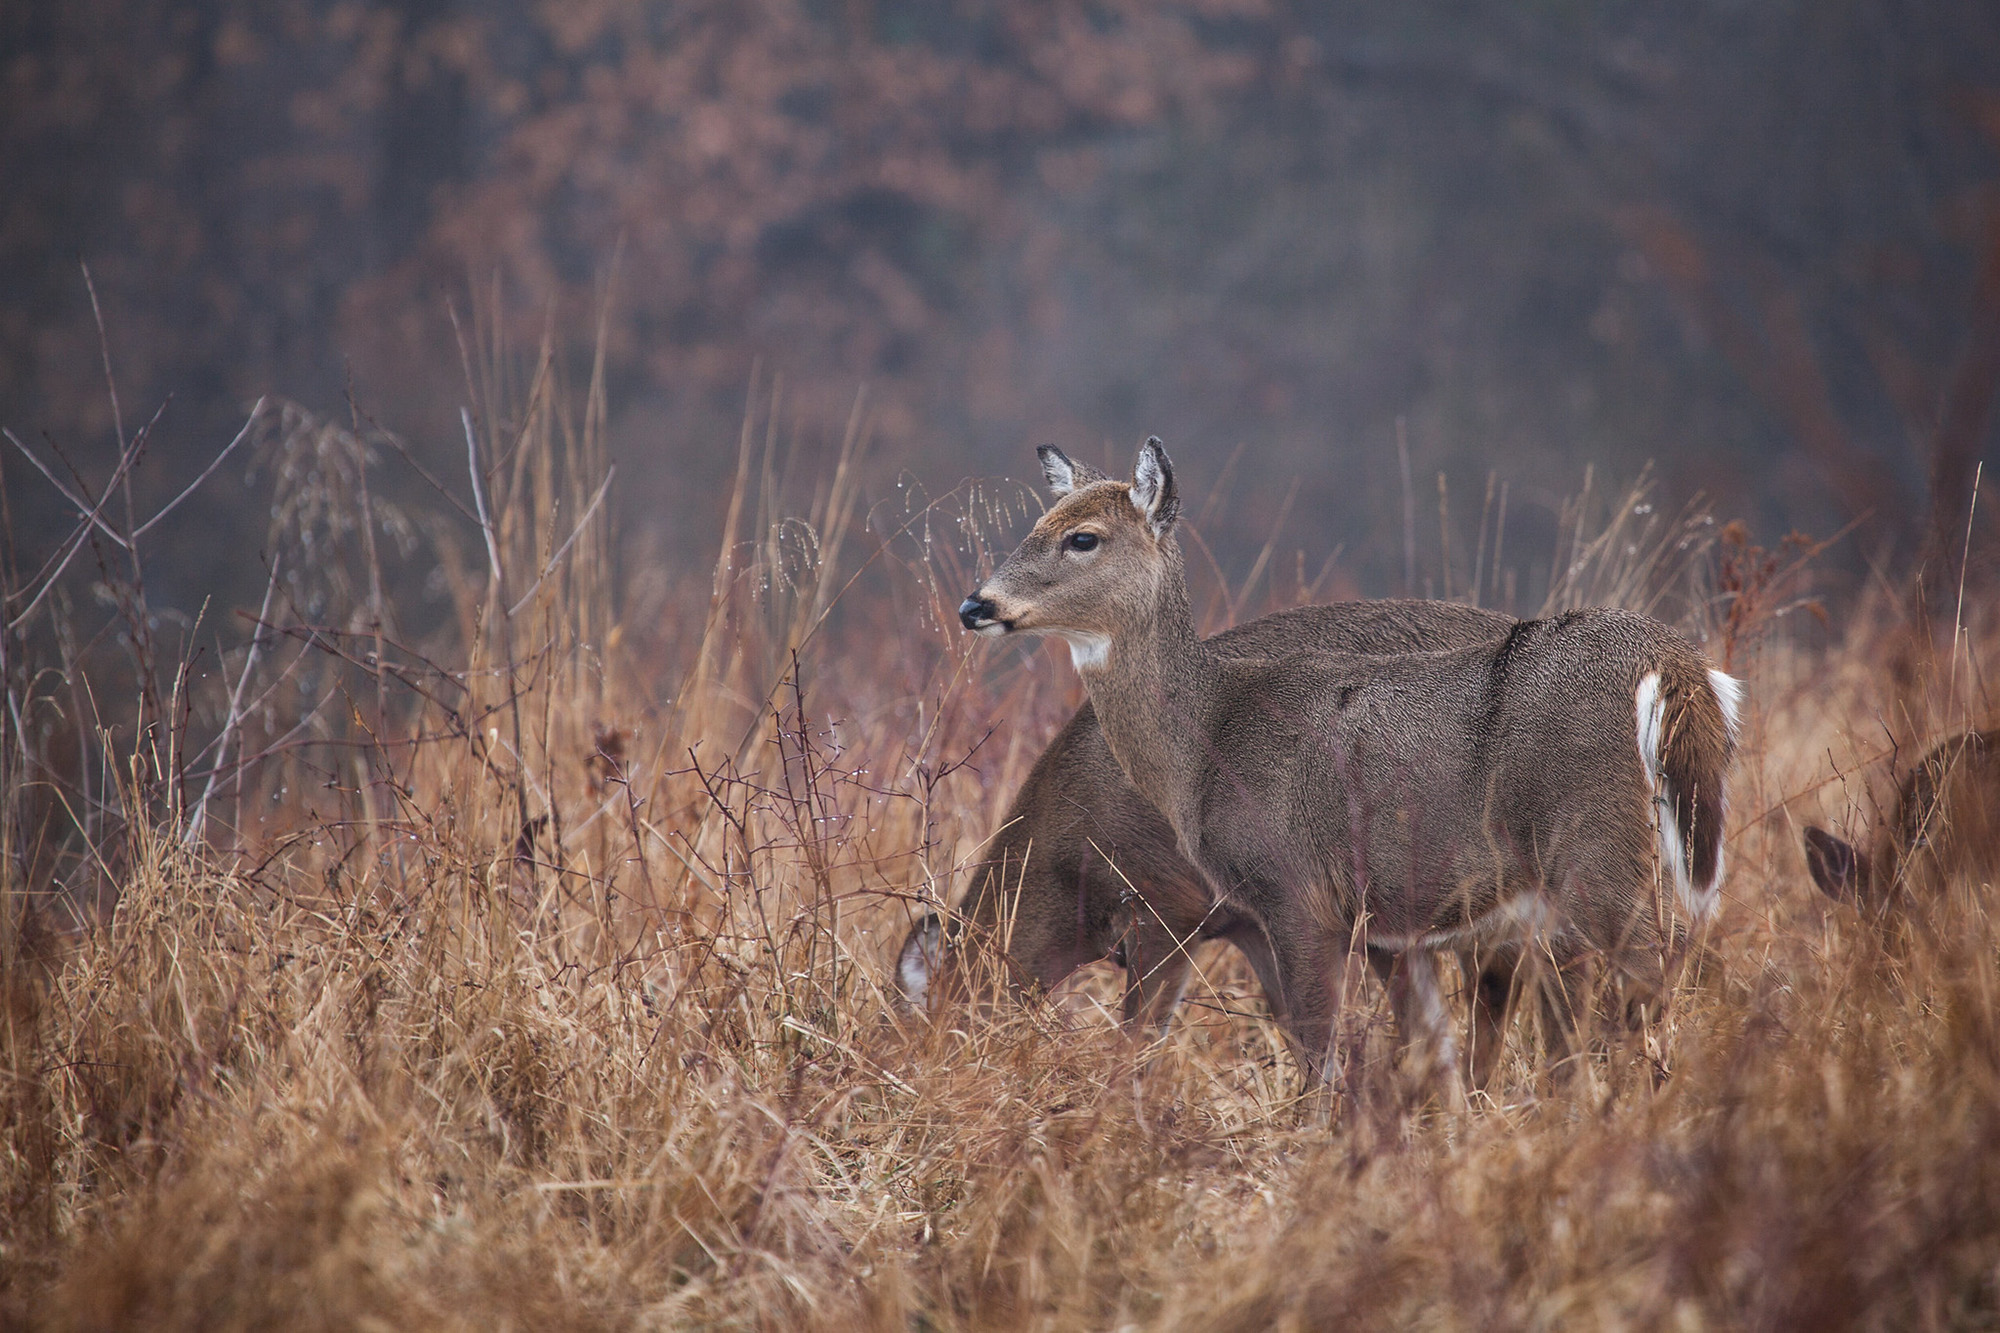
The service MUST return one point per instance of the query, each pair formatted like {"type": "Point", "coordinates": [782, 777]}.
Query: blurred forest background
{"type": "Point", "coordinates": [1756, 243]}
{"type": "Point", "coordinates": [420, 896]}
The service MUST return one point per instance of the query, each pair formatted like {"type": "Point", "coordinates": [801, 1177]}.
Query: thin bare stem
{"type": "Point", "coordinates": [1409, 512]}
{"type": "Point", "coordinates": [88, 513]}
{"type": "Point", "coordinates": [556, 560]}
{"type": "Point", "coordinates": [52, 572]}
{"type": "Point", "coordinates": [235, 714]}
{"type": "Point", "coordinates": [479, 496]}
{"type": "Point", "coordinates": [1444, 535]}
{"type": "Point", "coordinates": [206, 473]}
{"type": "Point", "coordinates": [1964, 561]}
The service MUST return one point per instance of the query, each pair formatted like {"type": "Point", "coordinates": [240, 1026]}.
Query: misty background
{"type": "Point", "coordinates": [1755, 244]}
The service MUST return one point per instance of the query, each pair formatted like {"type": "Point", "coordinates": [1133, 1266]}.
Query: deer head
{"type": "Point", "coordinates": [1944, 823]}
{"type": "Point", "coordinates": [1092, 568]}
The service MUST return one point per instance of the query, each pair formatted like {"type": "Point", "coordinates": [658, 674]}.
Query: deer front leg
{"type": "Point", "coordinates": [1310, 974]}
{"type": "Point", "coordinates": [1156, 972]}
{"type": "Point", "coordinates": [1256, 946]}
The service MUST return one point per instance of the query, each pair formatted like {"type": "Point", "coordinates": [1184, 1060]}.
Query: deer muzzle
{"type": "Point", "coordinates": [979, 615]}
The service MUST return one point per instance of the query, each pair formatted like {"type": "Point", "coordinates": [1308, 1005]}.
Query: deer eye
{"type": "Point", "coordinates": [1080, 541]}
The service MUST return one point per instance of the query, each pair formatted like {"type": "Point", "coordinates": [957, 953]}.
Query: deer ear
{"type": "Point", "coordinates": [1153, 493]}
{"type": "Point", "coordinates": [923, 951]}
{"type": "Point", "coordinates": [1064, 474]}
{"type": "Point", "coordinates": [1836, 867]}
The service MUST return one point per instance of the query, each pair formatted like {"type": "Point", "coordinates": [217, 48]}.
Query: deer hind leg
{"type": "Point", "coordinates": [1490, 987]}
{"type": "Point", "coordinates": [1430, 1043]}
{"type": "Point", "coordinates": [1595, 998]}
{"type": "Point", "coordinates": [1561, 985]}
{"type": "Point", "coordinates": [1609, 970]}
{"type": "Point", "coordinates": [1637, 968]}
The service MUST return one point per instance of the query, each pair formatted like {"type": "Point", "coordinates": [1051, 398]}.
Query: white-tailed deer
{"type": "Point", "coordinates": [1945, 822]}
{"type": "Point", "coordinates": [1528, 797]}
{"type": "Point", "coordinates": [1084, 867]}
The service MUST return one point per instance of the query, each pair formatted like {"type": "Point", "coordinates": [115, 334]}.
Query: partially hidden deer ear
{"type": "Point", "coordinates": [1835, 865]}
{"type": "Point", "coordinates": [1063, 474]}
{"type": "Point", "coordinates": [917, 964]}
{"type": "Point", "coordinates": [1153, 492]}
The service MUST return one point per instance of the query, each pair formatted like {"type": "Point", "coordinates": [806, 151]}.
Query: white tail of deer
{"type": "Point", "coordinates": [1543, 795]}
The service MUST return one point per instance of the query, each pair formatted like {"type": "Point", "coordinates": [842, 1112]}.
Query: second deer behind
{"type": "Point", "coordinates": [1944, 824]}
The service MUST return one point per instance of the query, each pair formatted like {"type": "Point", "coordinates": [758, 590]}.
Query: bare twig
{"type": "Point", "coordinates": [479, 495]}
{"type": "Point", "coordinates": [85, 510]}
{"type": "Point", "coordinates": [1444, 536]}
{"type": "Point", "coordinates": [1964, 562]}
{"type": "Point", "coordinates": [563, 550]}
{"type": "Point", "coordinates": [57, 564]}
{"type": "Point", "coordinates": [1409, 512]}
{"type": "Point", "coordinates": [206, 473]}
{"type": "Point", "coordinates": [200, 815]}
{"type": "Point", "coordinates": [104, 349]}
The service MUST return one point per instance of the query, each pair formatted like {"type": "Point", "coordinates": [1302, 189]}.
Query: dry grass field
{"type": "Point", "coordinates": [522, 959]}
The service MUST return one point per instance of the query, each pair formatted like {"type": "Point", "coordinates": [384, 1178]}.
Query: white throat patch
{"type": "Point", "coordinates": [1088, 651]}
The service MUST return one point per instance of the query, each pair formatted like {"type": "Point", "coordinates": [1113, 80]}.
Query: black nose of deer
{"type": "Point", "coordinates": [975, 612]}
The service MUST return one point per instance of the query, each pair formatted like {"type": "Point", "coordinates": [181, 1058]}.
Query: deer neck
{"type": "Point", "coordinates": [1152, 687]}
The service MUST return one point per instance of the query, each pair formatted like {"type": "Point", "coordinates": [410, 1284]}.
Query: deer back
{"type": "Point", "coordinates": [1421, 792]}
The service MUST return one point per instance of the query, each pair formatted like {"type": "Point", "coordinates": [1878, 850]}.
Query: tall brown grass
{"type": "Point", "coordinates": [522, 962]}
